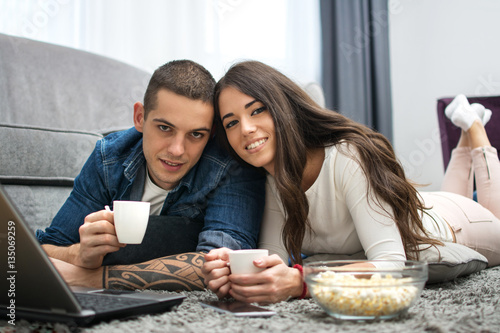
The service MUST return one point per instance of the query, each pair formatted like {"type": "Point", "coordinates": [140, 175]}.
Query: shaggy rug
{"type": "Point", "coordinates": [467, 304]}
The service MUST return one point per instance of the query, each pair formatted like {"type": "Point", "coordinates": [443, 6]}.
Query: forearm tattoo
{"type": "Point", "coordinates": [173, 273]}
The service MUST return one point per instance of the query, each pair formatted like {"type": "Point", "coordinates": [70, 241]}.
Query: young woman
{"type": "Point", "coordinates": [335, 186]}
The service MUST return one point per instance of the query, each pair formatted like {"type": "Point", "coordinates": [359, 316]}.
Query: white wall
{"type": "Point", "coordinates": [439, 48]}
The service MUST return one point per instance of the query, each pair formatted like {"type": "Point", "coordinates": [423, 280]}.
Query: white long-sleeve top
{"type": "Point", "coordinates": [342, 218]}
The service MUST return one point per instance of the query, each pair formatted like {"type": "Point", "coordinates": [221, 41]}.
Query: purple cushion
{"type": "Point", "coordinates": [450, 133]}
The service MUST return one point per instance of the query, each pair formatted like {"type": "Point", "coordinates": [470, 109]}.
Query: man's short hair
{"type": "Point", "coordinates": [182, 77]}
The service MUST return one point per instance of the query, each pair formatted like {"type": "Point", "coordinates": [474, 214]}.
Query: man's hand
{"type": "Point", "coordinates": [97, 238]}
{"type": "Point", "coordinates": [78, 276]}
{"type": "Point", "coordinates": [216, 271]}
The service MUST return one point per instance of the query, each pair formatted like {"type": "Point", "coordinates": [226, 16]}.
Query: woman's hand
{"type": "Point", "coordinates": [276, 283]}
{"type": "Point", "coordinates": [216, 271]}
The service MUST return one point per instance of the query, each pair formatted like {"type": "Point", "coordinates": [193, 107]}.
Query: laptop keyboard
{"type": "Point", "coordinates": [105, 303]}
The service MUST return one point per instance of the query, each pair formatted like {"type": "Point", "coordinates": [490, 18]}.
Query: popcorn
{"type": "Point", "coordinates": [369, 296]}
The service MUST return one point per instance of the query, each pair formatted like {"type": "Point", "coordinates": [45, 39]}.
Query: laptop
{"type": "Point", "coordinates": [32, 289]}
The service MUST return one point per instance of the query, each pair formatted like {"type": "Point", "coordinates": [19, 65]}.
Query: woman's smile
{"type": "Point", "coordinates": [256, 144]}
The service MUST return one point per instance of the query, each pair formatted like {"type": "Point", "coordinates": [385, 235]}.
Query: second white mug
{"type": "Point", "coordinates": [241, 261]}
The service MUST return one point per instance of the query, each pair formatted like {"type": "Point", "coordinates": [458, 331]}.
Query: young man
{"type": "Point", "coordinates": [200, 198]}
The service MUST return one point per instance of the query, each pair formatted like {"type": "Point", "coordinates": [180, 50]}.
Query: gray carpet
{"type": "Point", "coordinates": [469, 304]}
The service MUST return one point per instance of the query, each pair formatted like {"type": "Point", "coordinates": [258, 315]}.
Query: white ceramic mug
{"type": "Point", "coordinates": [131, 220]}
{"type": "Point", "coordinates": [241, 261]}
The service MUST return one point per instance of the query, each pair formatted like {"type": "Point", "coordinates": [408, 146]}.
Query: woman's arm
{"type": "Point", "coordinates": [374, 222]}
{"type": "Point", "coordinates": [272, 223]}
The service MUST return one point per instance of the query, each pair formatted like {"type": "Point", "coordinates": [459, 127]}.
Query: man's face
{"type": "Point", "coordinates": [174, 136]}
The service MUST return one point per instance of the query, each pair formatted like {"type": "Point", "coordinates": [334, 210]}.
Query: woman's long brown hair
{"type": "Point", "coordinates": [301, 125]}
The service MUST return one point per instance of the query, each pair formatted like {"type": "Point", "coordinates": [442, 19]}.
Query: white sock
{"type": "Point", "coordinates": [464, 116]}
{"type": "Point", "coordinates": [483, 113]}
{"type": "Point", "coordinates": [457, 101]}
{"type": "Point", "coordinates": [461, 113]}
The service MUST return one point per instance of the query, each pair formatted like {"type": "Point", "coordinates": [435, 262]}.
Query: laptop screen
{"type": "Point", "coordinates": [29, 277]}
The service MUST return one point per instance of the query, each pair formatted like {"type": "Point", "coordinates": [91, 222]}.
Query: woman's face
{"type": "Point", "coordinates": [249, 128]}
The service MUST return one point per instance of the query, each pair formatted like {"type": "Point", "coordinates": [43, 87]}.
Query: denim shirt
{"type": "Point", "coordinates": [228, 197]}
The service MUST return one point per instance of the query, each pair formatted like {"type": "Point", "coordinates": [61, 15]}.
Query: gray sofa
{"type": "Point", "coordinates": [55, 103]}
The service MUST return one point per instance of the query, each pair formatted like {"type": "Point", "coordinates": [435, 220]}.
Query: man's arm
{"type": "Point", "coordinates": [234, 210]}
{"type": "Point", "coordinates": [64, 253]}
{"type": "Point", "coordinates": [63, 238]}
{"type": "Point", "coordinates": [97, 238]}
{"type": "Point", "coordinates": [175, 272]}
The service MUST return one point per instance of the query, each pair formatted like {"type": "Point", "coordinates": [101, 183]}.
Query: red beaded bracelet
{"type": "Point", "coordinates": [304, 285]}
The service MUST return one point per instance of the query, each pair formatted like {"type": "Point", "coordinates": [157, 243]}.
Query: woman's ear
{"type": "Point", "coordinates": [139, 116]}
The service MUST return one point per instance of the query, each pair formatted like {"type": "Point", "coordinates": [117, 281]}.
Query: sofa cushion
{"type": "Point", "coordinates": [38, 205]}
{"type": "Point", "coordinates": [444, 262]}
{"type": "Point", "coordinates": [43, 156]}
{"type": "Point", "coordinates": [53, 86]}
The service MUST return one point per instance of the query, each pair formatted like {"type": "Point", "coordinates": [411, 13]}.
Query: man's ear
{"type": "Point", "coordinates": [139, 116]}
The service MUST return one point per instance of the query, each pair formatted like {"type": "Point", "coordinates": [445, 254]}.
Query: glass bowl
{"type": "Point", "coordinates": [345, 290]}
